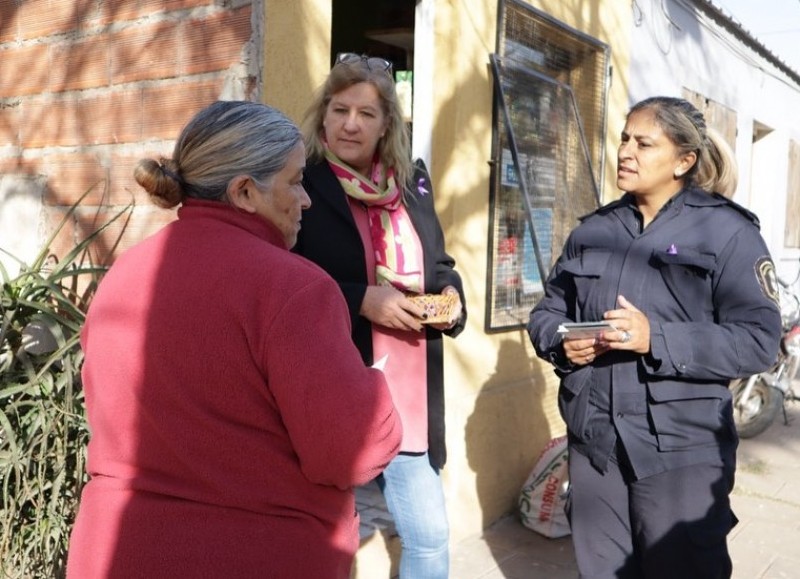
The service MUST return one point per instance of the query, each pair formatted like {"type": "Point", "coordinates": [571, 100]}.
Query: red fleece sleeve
{"type": "Point", "coordinates": [339, 413]}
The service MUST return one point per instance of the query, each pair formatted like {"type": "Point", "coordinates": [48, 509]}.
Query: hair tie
{"type": "Point", "coordinates": [168, 172]}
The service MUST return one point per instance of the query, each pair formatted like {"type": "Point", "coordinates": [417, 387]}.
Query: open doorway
{"type": "Point", "coordinates": [382, 28]}
{"type": "Point", "coordinates": [393, 29]}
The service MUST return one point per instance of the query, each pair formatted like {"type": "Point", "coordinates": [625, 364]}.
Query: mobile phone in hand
{"type": "Point", "coordinates": [574, 330]}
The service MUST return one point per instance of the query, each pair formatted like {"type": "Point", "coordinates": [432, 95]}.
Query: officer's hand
{"type": "Point", "coordinates": [582, 351]}
{"type": "Point", "coordinates": [633, 328]}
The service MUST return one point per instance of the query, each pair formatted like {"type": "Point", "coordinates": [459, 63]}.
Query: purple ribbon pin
{"type": "Point", "coordinates": [672, 250]}
{"type": "Point", "coordinates": [421, 186]}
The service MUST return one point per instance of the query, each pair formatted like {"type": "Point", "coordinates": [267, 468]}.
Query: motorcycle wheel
{"type": "Point", "coordinates": [753, 416]}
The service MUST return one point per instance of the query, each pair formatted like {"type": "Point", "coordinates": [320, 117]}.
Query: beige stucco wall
{"type": "Point", "coordinates": [500, 398]}
{"type": "Point", "coordinates": [297, 46]}
{"type": "Point", "coordinates": [497, 403]}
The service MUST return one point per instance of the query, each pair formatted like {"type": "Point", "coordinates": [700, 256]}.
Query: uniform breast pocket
{"type": "Point", "coordinates": [687, 275]}
{"type": "Point", "coordinates": [585, 270]}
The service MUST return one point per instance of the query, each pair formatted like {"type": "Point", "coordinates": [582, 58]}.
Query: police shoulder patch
{"type": "Point", "coordinates": [767, 278]}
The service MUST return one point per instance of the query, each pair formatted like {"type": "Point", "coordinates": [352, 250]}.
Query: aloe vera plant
{"type": "Point", "coordinates": [43, 431]}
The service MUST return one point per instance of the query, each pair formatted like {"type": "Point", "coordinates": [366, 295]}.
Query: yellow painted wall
{"type": "Point", "coordinates": [496, 400]}
{"type": "Point", "coordinates": [501, 399]}
{"type": "Point", "coordinates": [501, 406]}
{"type": "Point", "coordinates": [297, 46]}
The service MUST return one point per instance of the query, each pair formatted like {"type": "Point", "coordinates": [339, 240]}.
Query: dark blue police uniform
{"type": "Point", "coordinates": [640, 426]}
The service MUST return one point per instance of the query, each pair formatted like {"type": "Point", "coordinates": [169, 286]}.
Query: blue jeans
{"type": "Point", "coordinates": [415, 498]}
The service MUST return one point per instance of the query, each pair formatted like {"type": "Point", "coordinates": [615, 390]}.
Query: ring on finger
{"type": "Point", "coordinates": [626, 337]}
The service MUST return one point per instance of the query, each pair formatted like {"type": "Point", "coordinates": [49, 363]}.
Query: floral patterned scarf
{"type": "Point", "coordinates": [391, 230]}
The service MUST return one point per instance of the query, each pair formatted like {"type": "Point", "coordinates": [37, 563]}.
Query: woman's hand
{"type": "Point", "coordinates": [582, 351]}
{"type": "Point", "coordinates": [632, 334]}
{"type": "Point", "coordinates": [633, 328]}
{"type": "Point", "coordinates": [456, 314]}
{"type": "Point", "coordinates": [387, 306]}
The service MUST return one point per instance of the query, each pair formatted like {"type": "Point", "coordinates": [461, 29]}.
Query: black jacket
{"type": "Point", "coordinates": [329, 237]}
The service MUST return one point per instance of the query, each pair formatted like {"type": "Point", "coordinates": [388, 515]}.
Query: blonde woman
{"type": "Point", "coordinates": [373, 227]}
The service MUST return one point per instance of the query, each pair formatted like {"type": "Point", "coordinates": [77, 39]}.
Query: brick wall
{"type": "Point", "coordinates": [88, 87]}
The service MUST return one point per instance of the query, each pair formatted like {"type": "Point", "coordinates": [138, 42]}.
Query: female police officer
{"type": "Point", "coordinates": [686, 280]}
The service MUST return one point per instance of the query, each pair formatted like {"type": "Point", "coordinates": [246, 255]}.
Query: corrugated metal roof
{"type": "Point", "coordinates": [729, 22]}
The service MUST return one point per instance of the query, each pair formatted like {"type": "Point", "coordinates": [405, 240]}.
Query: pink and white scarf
{"type": "Point", "coordinates": [391, 230]}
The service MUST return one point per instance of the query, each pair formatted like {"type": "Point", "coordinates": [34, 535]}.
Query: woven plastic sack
{"type": "Point", "coordinates": [541, 502]}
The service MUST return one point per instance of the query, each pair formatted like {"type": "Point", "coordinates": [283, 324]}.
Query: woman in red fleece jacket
{"type": "Point", "coordinates": [231, 415]}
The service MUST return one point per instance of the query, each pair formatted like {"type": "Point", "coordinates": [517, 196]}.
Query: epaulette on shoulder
{"type": "Point", "coordinates": [607, 208]}
{"type": "Point", "coordinates": [743, 210]}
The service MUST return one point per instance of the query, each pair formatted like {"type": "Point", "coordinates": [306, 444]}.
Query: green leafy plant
{"type": "Point", "coordinates": [43, 431]}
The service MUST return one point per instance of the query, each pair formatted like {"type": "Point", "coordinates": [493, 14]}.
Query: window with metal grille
{"type": "Point", "coordinates": [549, 131]}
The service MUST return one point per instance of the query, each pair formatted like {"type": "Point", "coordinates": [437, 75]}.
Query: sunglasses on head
{"type": "Point", "coordinates": [373, 62]}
